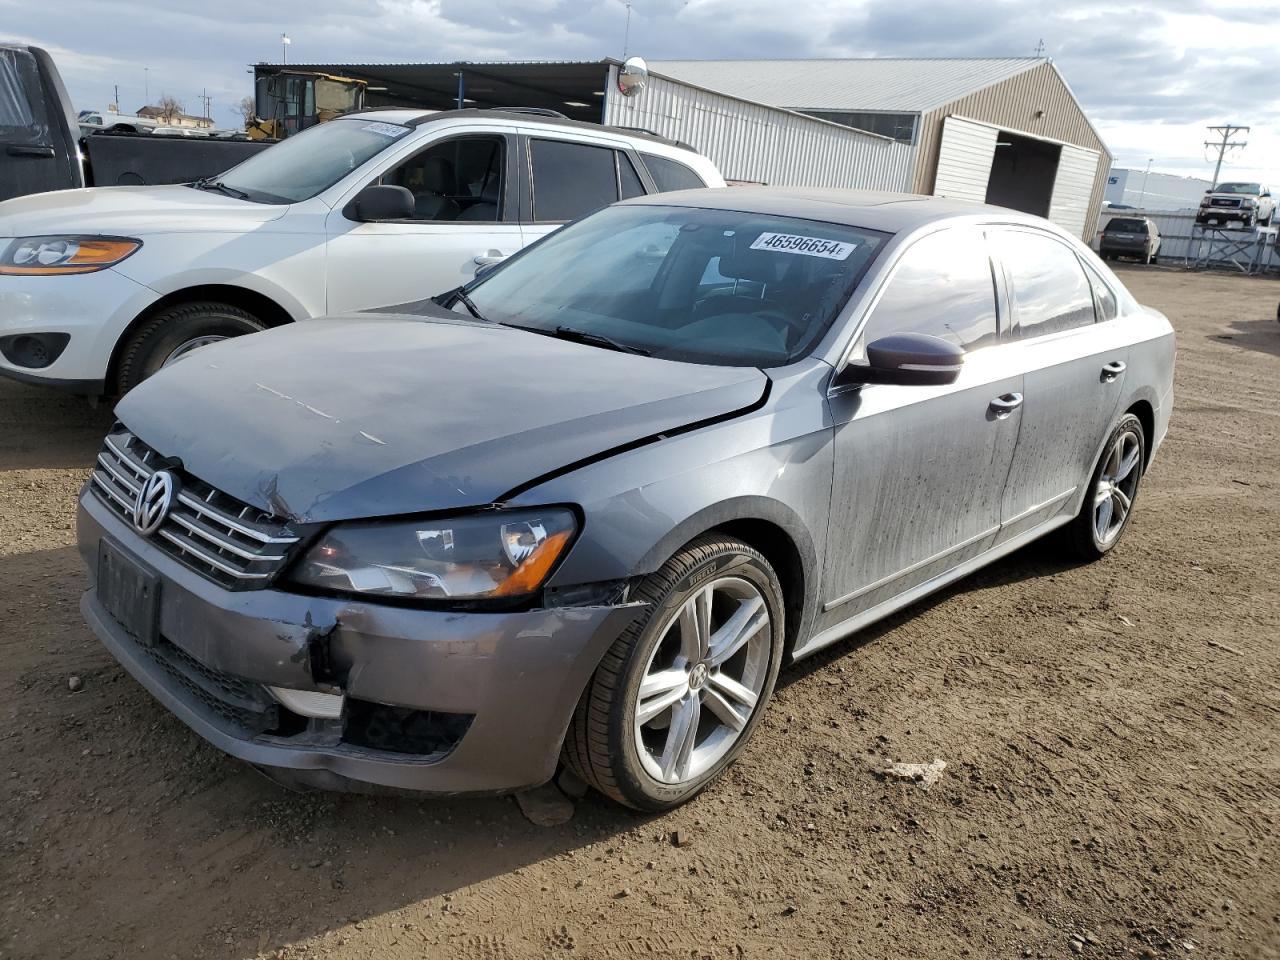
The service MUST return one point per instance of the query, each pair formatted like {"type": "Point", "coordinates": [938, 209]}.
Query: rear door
{"type": "Point", "coordinates": [571, 177]}
{"type": "Point", "coordinates": [1073, 367]}
{"type": "Point", "coordinates": [37, 143]}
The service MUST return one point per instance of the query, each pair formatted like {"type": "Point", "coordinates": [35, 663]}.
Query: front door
{"type": "Point", "coordinates": [920, 471]}
{"type": "Point", "coordinates": [1074, 368]}
{"type": "Point", "coordinates": [465, 216]}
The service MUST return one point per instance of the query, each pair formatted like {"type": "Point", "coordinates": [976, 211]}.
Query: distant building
{"type": "Point", "coordinates": [1153, 191]}
{"type": "Point", "coordinates": [174, 120]}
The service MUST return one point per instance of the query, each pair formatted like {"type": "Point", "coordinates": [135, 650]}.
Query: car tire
{"type": "Point", "coordinates": [623, 756]}
{"type": "Point", "coordinates": [1121, 471]}
{"type": "Point", "coordinates": [175, 331]}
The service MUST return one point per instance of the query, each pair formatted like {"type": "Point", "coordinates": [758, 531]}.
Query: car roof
{"type": "Point", "coordinates": [870, 209]}
{"type": "Point", "coordinates": [415, 118]}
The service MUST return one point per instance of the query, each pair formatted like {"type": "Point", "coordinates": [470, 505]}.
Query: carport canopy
{"type": "Point", "coordinates": [574, 88]}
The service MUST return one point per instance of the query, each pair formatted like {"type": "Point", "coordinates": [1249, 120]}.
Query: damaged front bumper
{"type": "Point", "coordinates": [433, 700]}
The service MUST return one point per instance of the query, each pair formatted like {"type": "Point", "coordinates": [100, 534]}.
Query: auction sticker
{"type": "Point", "coordinates": [808, 246]}
{"type": "Point", "coordinates": [386, 129]}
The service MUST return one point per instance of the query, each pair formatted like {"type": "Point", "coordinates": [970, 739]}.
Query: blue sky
{"type": "Point", "coordinates": [1150, 74]}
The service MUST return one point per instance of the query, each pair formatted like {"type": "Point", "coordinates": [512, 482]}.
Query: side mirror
{"type": "Point", "coordinates": [381, 202]}
{"type": "Point", "coordinates": [907, 359]}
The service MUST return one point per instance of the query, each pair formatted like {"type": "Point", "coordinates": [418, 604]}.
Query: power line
{"type": "Point", "coordinates": [1226, 131]}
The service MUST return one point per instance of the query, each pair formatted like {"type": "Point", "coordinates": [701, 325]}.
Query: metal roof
{"type": "Point", "coordinates": [871, 84]}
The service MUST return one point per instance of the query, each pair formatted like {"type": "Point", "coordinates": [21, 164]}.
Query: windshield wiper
{"type": "Point", "coordinates": [598, 340]}
{"type": "Point", "coordinates": [460, 296]}
{"type": "Point", "coordinates": [208, 183]}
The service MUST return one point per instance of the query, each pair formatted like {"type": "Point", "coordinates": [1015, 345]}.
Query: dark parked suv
{"type": "Point", "coordinates": [1130, 237]}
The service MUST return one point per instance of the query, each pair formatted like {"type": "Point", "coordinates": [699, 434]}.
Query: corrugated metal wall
{"type": "Point", "coordinates": [964, 159]}
{"type": "Point", "coordinates": [750, 141]}
{"type": "Point", "coordinates": [1072, 188]}
{"type": "Point", "coordinates": [1013, 105]}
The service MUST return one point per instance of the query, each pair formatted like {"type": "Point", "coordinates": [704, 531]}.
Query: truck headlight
{"type": "Point", "coordinates": [52, 256]}
{"type": "Point", "coordinates": [498, 554]}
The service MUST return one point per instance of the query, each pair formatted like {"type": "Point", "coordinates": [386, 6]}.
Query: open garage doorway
{"type": "Point", "coordinates": [1023, 173]}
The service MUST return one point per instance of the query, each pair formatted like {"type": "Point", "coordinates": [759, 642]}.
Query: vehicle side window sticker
{"type": "Point", "coordinates": [386, 129]}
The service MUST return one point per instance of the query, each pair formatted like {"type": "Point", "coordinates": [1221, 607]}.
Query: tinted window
{"type": "Point", "coordinates": [942, 287]}
{"type": "Point", "coordinates": [571, 180]}
{"type": "Point", "coordinates": [22, 116]}
{"type": "Point", "coordinates": [455, 180]}
{"type": "Point", "coordinates": [1106, 300]}
{"type": "Point", "coordinates": [671, 174]}
{"type": "Point", "coordinates": [1050, 290]}
{"type": "Point", "coordinates": [1126, 225]}
{"type": "Point", "coordinates": [708, 286]}
{"type": "Point", "coordinates": [628, 179]}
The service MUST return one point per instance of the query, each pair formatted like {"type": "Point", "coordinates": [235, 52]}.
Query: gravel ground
{"type": "Point", "coordinates": [1112, 785]}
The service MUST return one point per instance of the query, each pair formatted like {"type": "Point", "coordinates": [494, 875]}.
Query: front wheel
{"type": "Point", "coordinates": [678, 695]}
{"type": "Point", "coordinates": [177, 332]}
{"type": "Point", "coordinates": [1113, 490]}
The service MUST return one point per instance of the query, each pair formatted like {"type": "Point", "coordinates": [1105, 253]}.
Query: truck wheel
{"type": "Point", "coordinates": [175, 333]}
{"type": "Point", "coordinates": [678, 695]}
{"type": "Point", "coordinates": [1112, 493]}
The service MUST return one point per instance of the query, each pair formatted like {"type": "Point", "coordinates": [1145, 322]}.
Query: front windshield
{"type": "Point", "coordinates": [1249, 188]}
{"type": "Point", "coordinates": [312, 161]}
{"type": "Point", "coordinates": [707, 286]}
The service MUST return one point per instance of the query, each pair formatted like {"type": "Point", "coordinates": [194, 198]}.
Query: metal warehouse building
{"type": "Point", "coordinates": [1005, 131]}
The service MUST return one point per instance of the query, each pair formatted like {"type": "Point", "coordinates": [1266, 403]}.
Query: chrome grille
{"type": "Point", "coordinates": [230, 542]}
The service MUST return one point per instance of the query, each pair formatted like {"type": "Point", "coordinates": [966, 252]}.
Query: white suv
{"type": "Point", "coordinates": [99, 288]}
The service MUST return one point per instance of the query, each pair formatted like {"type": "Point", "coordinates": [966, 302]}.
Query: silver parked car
{"type": "Point", "coordinates": [585, 507]}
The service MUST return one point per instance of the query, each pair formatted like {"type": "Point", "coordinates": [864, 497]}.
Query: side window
{"type": "Point", "coordinates": [943, 287]}
{"type": "Point", "coordinates": [22, 114]}
{"type": "Point", "coordinates": [1106, 299]}
{"type": "Point", "coordinates": [671, 174]}
{"type": "Point", "coordinates": [457, 180]}
{"type": "Point", "coordinates": [628, 179]}
{"type": "Point", "coordinates": [1050, 290]}
{"type": "Point", "coordinates": [571, 180]}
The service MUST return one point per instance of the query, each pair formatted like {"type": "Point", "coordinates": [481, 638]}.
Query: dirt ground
{"type": "Point", "coordinates": [1111, 734]}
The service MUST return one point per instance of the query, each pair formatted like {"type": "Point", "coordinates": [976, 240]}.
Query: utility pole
{"type": "Point", "coordinates": [284, 47]}
{"type": "Point", "coordinates": [146, 85]}
{"type": "Point", "coordinates": [626, 33]}
{"type": "Point", "coordinates": [1226, 131]}
{"type": "Point", "coordinates": [207, 101]}
{"type": "Point", "coordinates": [1040, 48]}
{"type": "Point", "coordinates": [116, 101]}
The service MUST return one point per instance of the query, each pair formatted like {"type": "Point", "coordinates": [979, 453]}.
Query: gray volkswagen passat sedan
{"type": "Point", "coordinates": [585, 507]}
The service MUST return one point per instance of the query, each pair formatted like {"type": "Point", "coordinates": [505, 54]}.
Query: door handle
{"type": "Point", "coordinates": [489, 259]}
{"type": "Point", "coordinates": [1112, 370]}
{"type": "Point", "coordinates": [1005, 404]}
{"type": "Point", "coordinates": [17, 150]}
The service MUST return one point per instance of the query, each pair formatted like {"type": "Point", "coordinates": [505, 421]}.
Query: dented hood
{"type": "Point", "coordinates": [381, 414]}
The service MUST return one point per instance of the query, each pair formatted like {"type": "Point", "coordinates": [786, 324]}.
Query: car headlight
{"type": "Point", "coordinates": [1248, 202]}
{"type": "Point", "coordinates": [45, 256]}
{"type": "Point", "coordinates": [499, 554]}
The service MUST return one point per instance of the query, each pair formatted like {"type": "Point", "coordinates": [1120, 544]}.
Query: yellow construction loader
{"type": "Point", "coordinates": [288, 101]}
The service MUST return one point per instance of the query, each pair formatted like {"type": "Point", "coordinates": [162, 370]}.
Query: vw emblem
{"type": "Point", "coordinates": [153, 503]}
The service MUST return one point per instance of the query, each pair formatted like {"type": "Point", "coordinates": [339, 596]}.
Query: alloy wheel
{"type": "Point", "coordinates": [1116, 486]}
{"type": "Point", "coordinates": [189, 347]}
{"type": "Point", "coordinates": [703, 680]}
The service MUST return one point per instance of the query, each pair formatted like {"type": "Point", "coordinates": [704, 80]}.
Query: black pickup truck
{"type": "Point", "coordinates": [41, 147]}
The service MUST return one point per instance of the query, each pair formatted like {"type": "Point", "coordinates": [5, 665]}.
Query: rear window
{"type": "Point", "coordinates": [1124, 225]}
{"type": "Point", "coordinates": [671, 174]}
{"type": "Point", "coordinates": [22, 114]}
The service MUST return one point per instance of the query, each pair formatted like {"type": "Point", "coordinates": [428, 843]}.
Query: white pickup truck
{"type": "Point", "coordinates": [1249, 203]}
{"type": "Point", "coordinates": [101, 287]}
